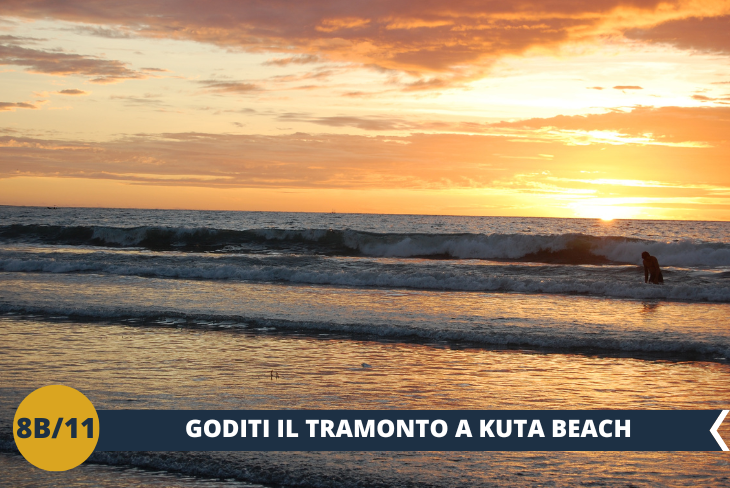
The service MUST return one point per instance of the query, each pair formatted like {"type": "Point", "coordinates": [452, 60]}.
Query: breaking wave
{"type": "Point", "coordinates": [558, 248]}
{"type": "Point", "coordinates": [612, 285]}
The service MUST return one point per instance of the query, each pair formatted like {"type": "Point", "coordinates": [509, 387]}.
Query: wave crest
{"type": "Point", "coordinates": [559, 248]}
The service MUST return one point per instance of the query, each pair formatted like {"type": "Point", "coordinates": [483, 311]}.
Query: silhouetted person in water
{"type": "Point", "coordinates": [652, 273]}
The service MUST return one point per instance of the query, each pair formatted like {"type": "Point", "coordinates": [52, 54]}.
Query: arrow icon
{"type": "Point", "coordinates": [716, 426]}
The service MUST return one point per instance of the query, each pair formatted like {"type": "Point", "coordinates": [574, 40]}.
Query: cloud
{"type": "Point", "coordinates": [103, 32]}
{"type": "Point", "coordinates": [511, 165]}
{"type": "Point", "coordinates": [437, 43]}
{"type": "Point", "coordinates": [64, 64]}
{"type": "Point", "coordinates": [220, 86]}
{"type": "Point", "coordinates": [19, 39]}
{"type": "Point", "coordinates": [669, 126]}
{"type": "Point", "coordinates": [710, 125]}
{"type": "Point", "coordinates": [709, 34]}
{"type": "Point", "coordinates": [341, 23]}
{"type": "Point", "coordinates": [337, 161]}
{"type": "Point", "coordinates": [434, 83]}
{"type": "Point", "coordinates": [704, 98]}
{"type": "Point", "coordinates": [245, 110]}
{"type": "Point", "coordinates": [595, 87]}
{"type": "Point", "coordinates": [627, 87]}
{"type": "Point", "coordinates": [385, 123]}
{"type": "Point", "coordinates": [299, 59]}
{"type": "Point", "coordinates": [146, 100]}
{"type": "Point", "coordinates": [295, 161]}
{"type": "Point", "coordinates": [318, 74]}
{"type": "Point", "coordinates": [11, 106]}
{"type": "Point", "coordinates": [697, 127]}
{"type": "Point", "coordinates": [365, 123]}
{"type": "Point", "coordinates": [361, 94]}
{"type": "Point", "coordinates": [73, 92]}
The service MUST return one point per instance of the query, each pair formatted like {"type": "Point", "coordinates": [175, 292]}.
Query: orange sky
{"type": "Point", "coordinates": [610, 109]}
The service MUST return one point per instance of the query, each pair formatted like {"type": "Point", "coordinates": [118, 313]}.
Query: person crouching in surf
{"type": "Point", "coordinates": [652, 273]}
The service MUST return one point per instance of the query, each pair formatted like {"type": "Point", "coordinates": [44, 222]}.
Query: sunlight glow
{"type": "Point", "coordinates": [605, 212]}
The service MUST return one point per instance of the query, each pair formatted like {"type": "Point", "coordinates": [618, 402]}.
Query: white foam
{"type": "Point", "coordinates": [427, 279]}
{"type": "Point", "coordinates": [680, 253]}
{"type": "Point", "coordinates": [563, 338]}
{"type": "Point", "coordinates": [121, 237]}
{"type": "Point", "coordinates": [467, 246]}
{"type": "Point", "coordinates": [500, 246]}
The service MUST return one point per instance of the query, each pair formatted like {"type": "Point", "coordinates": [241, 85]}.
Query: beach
{"type": "Point", "coordinates": [150, 309]}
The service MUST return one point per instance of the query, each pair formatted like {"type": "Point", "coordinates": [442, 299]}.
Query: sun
{"type": "Point", "coordinates": [605, 213]}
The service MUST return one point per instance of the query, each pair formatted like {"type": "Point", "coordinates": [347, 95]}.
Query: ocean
{"type": "Point", "coordinates": [178, 309]}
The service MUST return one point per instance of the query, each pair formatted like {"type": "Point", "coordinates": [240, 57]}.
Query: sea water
{"type": "Point", "coordinates": [193, 309]}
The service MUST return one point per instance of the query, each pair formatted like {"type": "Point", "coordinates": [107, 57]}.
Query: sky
{"type": "Point", "coordinates": [558, 108]}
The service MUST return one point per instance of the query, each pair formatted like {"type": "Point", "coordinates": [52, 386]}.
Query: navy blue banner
{"type": "Point", "coordinates": [410, 430]}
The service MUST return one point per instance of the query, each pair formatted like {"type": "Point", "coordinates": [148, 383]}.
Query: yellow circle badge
{"type": "Point", "coordinates": [56, 428]}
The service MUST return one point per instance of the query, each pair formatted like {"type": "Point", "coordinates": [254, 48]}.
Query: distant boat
{"type": "Point", "coordinates": [52, 208]}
